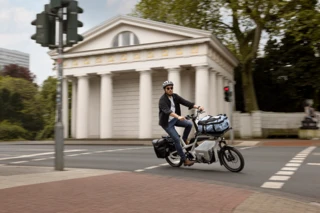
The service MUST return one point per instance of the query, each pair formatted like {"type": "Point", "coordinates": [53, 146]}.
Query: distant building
{"type": "Point", "coordinates": [13, 57]}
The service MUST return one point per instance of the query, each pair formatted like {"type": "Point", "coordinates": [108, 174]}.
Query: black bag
{"type": "Point", "coordinates": [160, 146]}
{"type": "Point", "coordinates": [163, 146]}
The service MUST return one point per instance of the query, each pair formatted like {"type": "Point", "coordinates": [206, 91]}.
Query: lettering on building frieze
{"type": "Point", "coordinates": [150, 54]}
{"type": "Point", "coordinates": [179, 51]}
{"type": "Point", "coordinates": [195, 49]}
{"type": "Point", "coordinates": [165, 52]}
{"type": "Point", "coordinates": [65, 63]}
{"type": "Point", "coordinates": [75, 62]}
{"type": "Point", "coordinates": [86, 61]}
{"type": "Point", "coordinates": [98, 60]}
{"type": "Point", "coordinates": [110, 58]}
{"type": "Point", "coordinates": [123, 57]}
{"type": "Point", "coordinates": [136, 56]}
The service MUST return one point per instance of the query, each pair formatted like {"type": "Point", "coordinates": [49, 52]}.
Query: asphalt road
{"type": "Point", "coordinates": [292, 171]}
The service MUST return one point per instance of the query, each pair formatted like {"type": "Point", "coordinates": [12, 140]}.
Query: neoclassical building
{"type": "Point", "coordinates": [118, 70]}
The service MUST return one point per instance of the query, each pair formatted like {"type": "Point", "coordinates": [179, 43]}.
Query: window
{"type": "Point", "coordinates": [125, 38]}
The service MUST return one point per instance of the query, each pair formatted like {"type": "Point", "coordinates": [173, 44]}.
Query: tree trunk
{"type": "Point", "coordinates": [248, 88]}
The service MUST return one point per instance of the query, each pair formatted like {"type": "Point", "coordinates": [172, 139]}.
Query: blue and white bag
{"type": "Point", "coordinates": [213, 124]}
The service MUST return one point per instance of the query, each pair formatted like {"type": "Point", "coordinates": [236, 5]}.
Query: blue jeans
{"type": "Point", "coordinates": [175, 136]}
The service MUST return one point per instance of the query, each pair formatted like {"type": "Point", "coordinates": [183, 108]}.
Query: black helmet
{"type": "Point", "coordinates": [167, 83]}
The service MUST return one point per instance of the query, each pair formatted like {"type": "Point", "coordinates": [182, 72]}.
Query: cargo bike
{"type": "Point", "coordinates": [208, 146]}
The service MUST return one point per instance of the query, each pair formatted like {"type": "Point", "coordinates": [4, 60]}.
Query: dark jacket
{"type": "Point", "coordinates": [165, 107]}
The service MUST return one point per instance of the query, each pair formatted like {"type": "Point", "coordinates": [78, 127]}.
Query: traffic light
{"type": "Point", "coordinates": [227, 94]}
{"type": "Point", "coordinates": [71, 24]}
{"type": "Point", "coordinates": [46, 23]}
{"type": "Point", "coordinates": [45, 30]}
{"type": "Point", "coordinates": [55, 5]}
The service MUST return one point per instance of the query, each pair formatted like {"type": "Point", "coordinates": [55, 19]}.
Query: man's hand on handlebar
{"type": "Point", "coordinates": [181, 118]}
{"type": "Point", "coordinates": [200, 108]}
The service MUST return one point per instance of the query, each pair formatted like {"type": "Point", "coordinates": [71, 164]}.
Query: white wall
{"type": "Point", "coordinates": [263, 124]}
{"type": "Point", "coordinates": [126, 105]}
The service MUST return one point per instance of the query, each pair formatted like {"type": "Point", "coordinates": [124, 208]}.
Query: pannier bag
{"type": "Point", "coordinates": [213, 124]}
{"type": "Point", "coordinates": [159, 146]}
{"type": "Point", "coordinates": [163, 145]}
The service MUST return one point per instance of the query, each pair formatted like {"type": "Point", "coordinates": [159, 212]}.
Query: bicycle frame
{"type": "Point", "coordinates": [197, 135]}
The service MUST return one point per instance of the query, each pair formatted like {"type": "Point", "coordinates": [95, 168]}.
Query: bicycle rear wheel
{"type": "Point", "coordinates": [232, 159]}
{"type": "Point", "coordinates": [174, 159]}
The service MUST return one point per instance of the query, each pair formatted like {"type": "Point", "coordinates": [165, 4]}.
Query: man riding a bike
{"type": "Point", "coordinates": [170, 116]}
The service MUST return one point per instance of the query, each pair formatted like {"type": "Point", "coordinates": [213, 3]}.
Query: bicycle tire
{"type": "Point", "coordinates": [224, 159]}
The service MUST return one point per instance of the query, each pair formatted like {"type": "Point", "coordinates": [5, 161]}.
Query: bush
{"type": "Point", "coordinates": [10, 131]}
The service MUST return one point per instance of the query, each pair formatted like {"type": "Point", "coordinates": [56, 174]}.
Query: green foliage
{"type": "Point", "coordinates": [303, 22]}
{"type": "Point", "coordinates": [287, 75]}
{"type": "Point", "coordinates": [9, 131]}
{"type": "Point", "coordinates": [48, 101]}
{"type": "Point", "coordinates": [22, 104]}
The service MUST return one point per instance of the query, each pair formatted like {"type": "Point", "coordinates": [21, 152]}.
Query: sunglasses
{"type": "Point", "coordinates": [169, 88]}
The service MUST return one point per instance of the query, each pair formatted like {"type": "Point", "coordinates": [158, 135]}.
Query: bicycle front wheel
{"type": "Point", "coordinates": [232, 159]}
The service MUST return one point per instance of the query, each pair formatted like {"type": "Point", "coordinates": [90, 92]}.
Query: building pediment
{"type": "Point", "coordinates": [127, 30]}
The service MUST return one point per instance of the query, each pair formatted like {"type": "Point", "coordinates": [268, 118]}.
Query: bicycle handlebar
{"type": "Point", "coordinates": [192, 116]}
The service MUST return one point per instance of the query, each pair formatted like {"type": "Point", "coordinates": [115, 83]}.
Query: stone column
{"type": "Point", "coordinates": [106, 100]}
{"type": "Point", "coordinates": [145, 115]}
{"type": "Point", "coordinates": [74, 108]}
{"type": "Point", "coordinates": [82, 107]}
{"type": "Point", "coordinates": [65, 108]}
{"type": "Point", "coordinates": [213, 93]}
{"type": "Point", "coordinates": [220, 98]}
{"type": "Point", "coordinates": [202, 87]}
{"type": "Point", "coordinates": [174, 76]}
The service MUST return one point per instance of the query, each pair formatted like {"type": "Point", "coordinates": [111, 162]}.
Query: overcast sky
{"type": "Point", "coordinates": [16, 29]}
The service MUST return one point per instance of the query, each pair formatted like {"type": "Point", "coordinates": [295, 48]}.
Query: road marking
{"type": "Point", "coordinates": [293, 164]}
{"type": "Point", "coordinates": [73, 155]}
{"type": "Point", "coordinates": [151, 167]}
{"type": "Point", "coordinates": [39, 159]}
{"type": "Point", "coordinates": [279, 178]}
{"type": "Point", "coordinates": [288, 170]}
{"type": "Point", "coordinates": [40, 154]}
{"type": "Point", "coordinates": [247, 147]}
{"type": "Point", "coordinates": [19, 162]}
{"type": "Point", "coordinates": [272, 185]}
{"type": "Point", "coordinates": [296, 161]}
{"type": "Point", "coordinates": [314, 164]}
{"type": "Point", "coordinates": [284, 173]}
{"type": "Point", "coordinates": [115, 150]}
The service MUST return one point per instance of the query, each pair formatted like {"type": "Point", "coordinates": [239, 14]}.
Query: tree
{"type": "Point", "coordinates": [16, 71]}
{"type": "Point", "coordinates": [30, 116]}
{"type": "Point", "coordinates": [11, 106]}
{"type": "Point", "coordinates": [240, 30]}
{"type": "Point", "coordinates": [287, 75]}
{"type": "Point", "coordinates": [303, 22]}
{"type": "Point", "coordinates": [48, 100]}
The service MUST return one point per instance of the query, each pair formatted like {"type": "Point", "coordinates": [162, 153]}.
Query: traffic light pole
{"type": "Point", "coordinates": [59, 135]}
{"type": "Point", "coordinates": [231, 117]}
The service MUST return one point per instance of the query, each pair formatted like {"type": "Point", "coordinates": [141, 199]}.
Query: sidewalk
{"type": "Point", "coordinates": [43, 190]}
